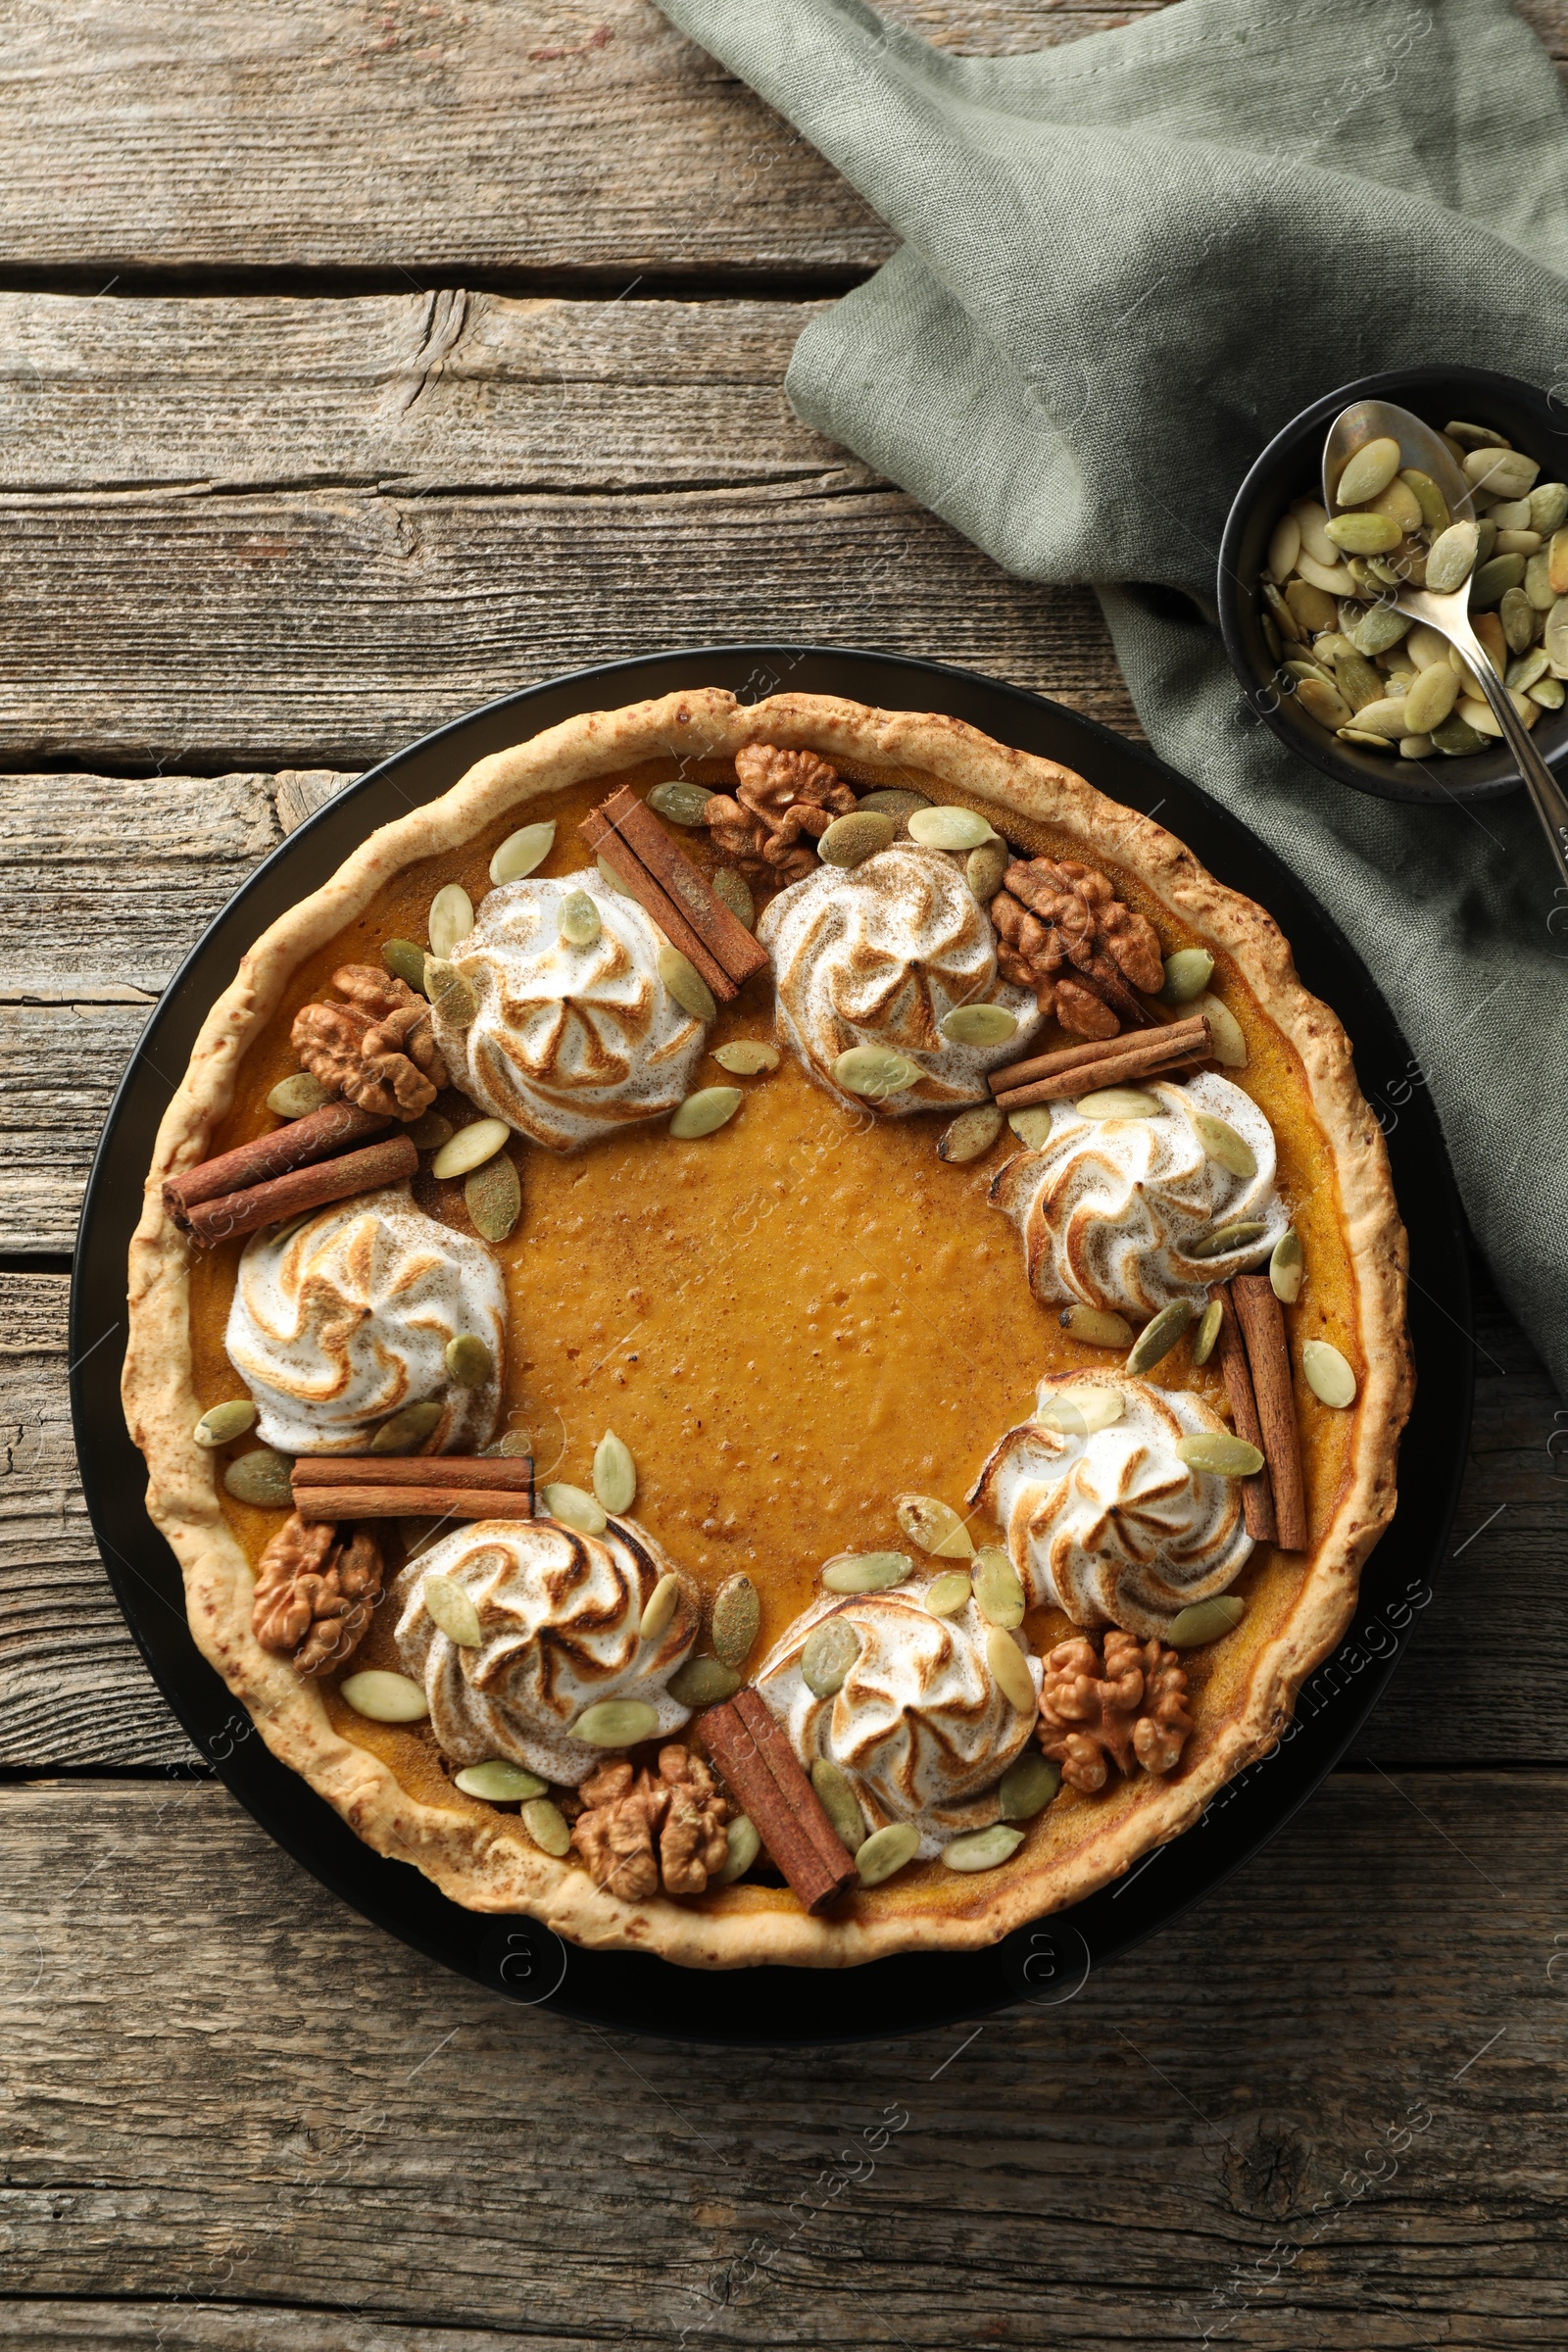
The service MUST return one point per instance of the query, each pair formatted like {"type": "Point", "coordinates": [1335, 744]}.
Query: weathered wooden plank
{"type": "Point", "coordinates": [1335, 2090]}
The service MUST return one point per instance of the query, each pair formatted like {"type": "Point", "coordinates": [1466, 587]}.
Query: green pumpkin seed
{"type": "Point", "coordinates": [1549, 508]}
{"type": "Point", "coordinates": [1492, 577]}
{"type": "Point", "coordinates": [408, 1428]}
{"type": "Point", "coordinates": [547, 1826]}
{"type": "Point", "coordinates": [1434, 516]}
{"type": "Point", "coordinates": [969, 1135]}
{"type": "Point", "coordinates": [1219, 1455]}
{"type": "Point", "coordinates": [429, 1133]}
{"type": "Point", "coordinates": [1522, 674]}
{"type": "Point", "coordinates": [1325, 704]}
{"type": "Point", "coordinates": [1355, 676]}
{"type": "Point", "coordinates": [1096, 1327]}
{"type": "Point", "coordinates": [1118, 1103]}
{"type": "Point", "coordinates": [573, 1507]}
{"type": "Point", "coordinates": [1238, 1234]}
{"type": "Point", "coordinates": [743, 1846]}
{"type": "Point", "coordinates": [1431, 699]}
{"type": "Point", "coordinates": [705, 1113]}
{"type": "Point", "coordinates": [451, 994]}
{"type": "Point", "coordinates": [1457, 738]}
{"type": "Point", "coordinates": [850, 840]}
{"type": "Point", "coordinates": [1365, 534]}
{"type": "Point", "coordinates": [297, 1097]}
{"type": "Point", "coordinates": [1031, 1127]}
{"type": "Point", "coordinates": [522, 851]}
{"type": "Point", "coordinates": [451, 920]}
{"type": "Point", "coordinates": [875, 1071]}
{"type": "Point", "coordinates": [579, 922]}
{"type": "Point", "coordinates": [885, 1851]}
{"type": "Point", "coordinates": [947, 1595]}
{"type": "Point", "coordinates": [736, 1620]}
{"type": "Point", "coordinates": [685, 983]}
{"type": "Point", "coordinates": [493, 1199]}
{"type": "Point", "coordinates": [1224, 1145]}
{"type": "Point", "coordinates": [1548, 692]}
{"type": "Point", "coordinates": [1453, 557]}
{"type": "Point", "coordinates": [683, 803]}
{"type": "Point", "coordinates": [1518, 617]}
{"type": "Point", "coordinates": [611, 879]}
{"type": "Point", "coordinates": [220, 1424]}
{"type": "Point", "coordinates": [1078, 1412]}
{"type": "Point", "coordinates": [979, 1025]}
{"type": "Point", "coordinates": [470, 1147]}
{"type": "Point", "coordinates": [985, 868]}
{"type": "Point", "coordinates": [828, 1654]}
{"type": "Point", "coordinates": [1486, 538]}
{"type": "Point", "coordinates": [614, 1473]}
{"type": "Point", "coordinates": [1159, 1337]}
{"type": "Point", "coordinates": [262, 1477]}
{"type": "Point", "coordinates": [838, 1800]}
{"type": "Point", "coordinates": [382, 1697]}
{"type": "Point", "coordinates": [998, 1587]}
{"type": "Point", "coordinates": [468, 1361]}
{"type": "Point", "coordinates": [1009, 1670]}
{"type": "Point", "coordinates": [1537, 583]}
{"type": "Point", "coordinates": [865, 1571]}
{"type": "Point", "coordinates": [1207, 1331]}
{"type": "Point", "coordinates": [1555, 639]}
{"type": "Point", "coordinates": [894, 801]}
{"type": "Point", "coordinates": [1474, 436]}
{"type": "Point", "coordinates": [948, 828]}
{"type": "Point", "coordinates": [1328, 1375]}
{"type": "Point", "coordinates": [659, 1610]}
{"type": "Point", "coordinates": [1203, 1621]}
{"type": "Point", "coordinates": [449, 1608]}
{"type": "Point", "coordinates": [617, 1723]}
{"type": "Point", "coordinates": [499, 1782]}
{"type": "Point", "coordinates": [1286, 1267]}
{"type": "Point", "coordinates": [1501, 473]}
{"type": "Point", "coordinates": [703, 1682]}
{"type": "Point", "coordinates": [747, 1057]}
{"type": "Point", "coordinates": [1187, 975]}
{"type": "Point", "coordinates": [1027, 1787]}
{"type": "Point", "coordinates": [406, 958]}
{"type": "Point", "coordinates": [730, 885]}
{"type": "Point", "coordinates": [1370, 470]}
{"type": "Point", "coordinates": [934, 1525]}
{"type": "Point", "coordinates": [982, 1849]}
{"type": "Point", "coordinates": [1279, 612]}
{"type": "Point", "coordinates": [1384, 627]}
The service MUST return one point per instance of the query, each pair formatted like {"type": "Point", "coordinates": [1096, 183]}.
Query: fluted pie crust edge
{"type": "Point", "coordinates": [490, 1868]}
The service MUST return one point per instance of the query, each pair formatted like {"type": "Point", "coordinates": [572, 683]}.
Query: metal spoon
{"type": "Point", "coordinates": [1420, 446]}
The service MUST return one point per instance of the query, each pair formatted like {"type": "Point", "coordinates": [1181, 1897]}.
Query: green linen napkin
{"type": "Point", "coordinates": [1128, 261]}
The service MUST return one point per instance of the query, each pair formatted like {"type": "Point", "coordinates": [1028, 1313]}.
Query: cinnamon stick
{"type": "Point", "coordinates": [316, 1136]}
{"type": "Point", "coordinates": [212, 1221]}
{"type": "Point", "coordinates": [508, 1472]}
{"type": "Point", "coordinates": [650, 893]}
{"type": "Point", "coordinates": [794, 1784]}
{"type": "Point", "coordinates": [1257, 1493]}
{"type": "Point", "coordinates": [433, 1502]}
{"type": "Point", "coordinates": [779, 1822]}
{"type": "Point", "coordinates": [1194, 1029]}
{"type": "Point", "coordinates": [1081, 1069]}
{"type": "Point", "coordinates": [718, 926]}
{"type": "Point", "coordinates": [1262, 1323]}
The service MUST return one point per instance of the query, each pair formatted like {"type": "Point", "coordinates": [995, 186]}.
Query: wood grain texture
{"type": "Point", "coordinates": [1324, 2107]}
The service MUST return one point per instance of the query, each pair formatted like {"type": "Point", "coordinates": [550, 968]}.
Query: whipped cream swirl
{"type": "Point", "coordinates": [919, 1726]}
{"type": "Point", "coordinates": [877, 955]}
{"type": "Point", "coordinates": [568, 1043]}
{"type": "Point", "coordinates": [1110, 1208]}
{"type": "Point", "coordinates": [1111, 1526]}
{"type": "Point", "coordinates": [339, 1321]}
{"type": "Point", "coordinates": [559, 1613]}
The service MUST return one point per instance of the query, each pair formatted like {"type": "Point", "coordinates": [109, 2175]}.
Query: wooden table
{"type": "Point", "coordinates": [361, 363]}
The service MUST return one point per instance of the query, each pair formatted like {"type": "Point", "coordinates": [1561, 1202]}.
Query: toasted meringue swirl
{"type": "Point", "coordinates": [1112, 1527]}
{"type": "Point", "coordinates": [876, 956]}
{"type": "Point", "coordinates": [559, 1614]}
{"type": "Point", "coordinates": [568, 1043]}
{"type": "Point", "coordinates": [345, 1318]}
{"type": "Point", "coordinates": [919, 1725]}
{"type": "Point", "coordinates": [1110, 1208]}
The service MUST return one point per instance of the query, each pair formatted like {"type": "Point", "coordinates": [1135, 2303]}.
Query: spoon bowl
{"type": "Point", "coordinates": [1420, 444]}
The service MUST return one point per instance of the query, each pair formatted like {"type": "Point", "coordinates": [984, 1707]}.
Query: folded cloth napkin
{"type": "Point", "coordinates": [1126, 263]}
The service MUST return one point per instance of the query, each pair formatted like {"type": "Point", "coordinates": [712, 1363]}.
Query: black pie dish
{"type": "Point", "coordinates": [1049, 1962]}
{"type": "Point", "coordinates": [1291, 467]}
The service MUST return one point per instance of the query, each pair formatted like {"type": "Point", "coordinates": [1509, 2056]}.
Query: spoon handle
{"type": "Point", "coordinates": [1545, 793]}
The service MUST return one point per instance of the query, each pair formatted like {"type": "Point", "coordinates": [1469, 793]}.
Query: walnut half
{"type": "Point", "coordinates": [784, 801]}
{"type": "Point", "coordinates": [624, 1811]}
{"type": "Point", "coordinates": [1062, 931]}
{"type": "Point", "coordinates": [316, 1587]}
{"type": "Point", "coordinates": [377, 1050]}
{"type": "Point", "coordinates": [1130, 1708]}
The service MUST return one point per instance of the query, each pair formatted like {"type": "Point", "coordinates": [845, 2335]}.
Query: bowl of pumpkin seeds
{"type": "Point", "coordinates": [1306, 600]}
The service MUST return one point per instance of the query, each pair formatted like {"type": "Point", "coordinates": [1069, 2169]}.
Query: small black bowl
{"type": "Point", "coordinates": [1291, 467]}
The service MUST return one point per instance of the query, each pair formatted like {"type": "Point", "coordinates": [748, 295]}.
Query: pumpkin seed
{"type": "Point", "coordinates": [685, 983]}
{"type": "Point", "coordinates": [703, 1682]}
{"type": "Point", "coordinates": [1207, 1332]}
{"type": "Point", "coordinates": [1456, 737]}
{"type": "Point", "coordinates": [1431, 699]}
{"type": "Point", "coordinates": [934, 1525]}
{"type": "Point", "coordinates": [894, 801]}
{"type": "Point", "coordinates": [874, 1070]}
{"type": "Point", "coordinates": [970, 1134]}
{"type": "Point", "coordinates": [1220, 1454]}
{"type": "Point", "coordinates": [998, 1587]}
{"type": "Point", "coordinates": [1385, 717]}
{"type": "Point", "coordinates": [499, 1782]}
{"type": "Point", "coordinates": [1158, 1337]}
{"type": "Point", "coordinates": [948, 828]}
{"type": "Point", "coordinates": [660, 1609]}
{"type": "Point", "coordinates": [730, 885]}
{"type": "Point", "coordinates": [1226, 1037]}
{"type": "Point", "coordinates": [578, 923]}
{"type": "Point", "coordinates": [429, 1133]}
{"type": "Point", "coordinates": [1027, 1787]}
{"type": "Point", "coordinates": [1399, 502]}
{"type": "Point", "coordinates": [1364, 534]}
{"type": "Point", "coordinates": [470, 1147]}
{"type": "Point", "coordinates": [1380, 629]}
{"type": "Point", "coordinates": [297, 1097]}
{"type": "Point", "coordinates": [1077, 1412]}
{"type": "Point", "coordinates": [1281, 614]}
{"type": "Point", "coordinates": [1323, 703]}
{"type": "Point", "coordinates": [1371, 469]}
{"type": "Point", "coordinates": [1284, 547]}
{"type": "Point", "coordinates": [403, 1431]}
{"type": "Point", "coordinates": [1286, 1267]}
{"type": "Point", "coordinates": [947, 1595]}
{"type": "Point", "coordinates": [1486, 538]}
{"type": "Point", "coordinates": [493, 1199]}
{"type": "Point", "coordinates": [736, 1620]}
{"type": "Point", "coordinates": [573, 1507]}
{"type": "Point", "coordinates": [1314, 521]}
{"type": "Point", "coordinates": [1434, 506]}
{"type": "Point", "coordinates": [747, 1057]}
{"type": "Point", "coordinates": [865, 1571]}
{"type": "Point", "coordinates": [1549, 508]}
{"type": "Point", "coordinates": [1238, 1234]}
{"type": "Point", "coordinates": [515, 1443]}
{"type": "Point", "coordinates": [885, 1851]}
{"type": "Point", "coordinates": [1337, 578]}
{"type": "Point", "coordinates": [1204, 1621]}
{"type": "Point", "coordinates": [705, 1113]}
{"type": "Point", "coordinates": [683, 803]}
{"type": "Point", "coordinates": [617, 1723]}
{"type": "Point", "coordinates": [1096, 1326]}
{"type": "Point", "coordinates": [1522, 674]}
{"type": "Point", "coordinates": [1314, 608]}
{"type": "Point", "coordinates": [982, 1849]}
{"type": "Point", "coordinates": [1492, 577]}
{"type": "Point", "coordinates": [1355, 676]}
{"type": "Point", "coordinates": [383, 1697]}
{"type": "Point", "coordinates": [1031, 1127]}
{"type": "Point", "coordinates": [1367, 739]}
{"type": "Point", "coordinates": [1548, 692]}
{"type": "Point", "coordinates": [220, 1424]}
{"type": "Point", "coordinates": [451, 994]}
{"type": "Point", "coordinates": [406, 958]}
{"type": "Point", "coordinates": [1522, 544]}
{"type": "Point", "coordinates": [743, 1846]}
{"type": "Point", "coordinates": [1453, 557]}
{"type": "Point", "coordinates": [614, 1473]}
{"type": "Point", "coordinates": [522, 851]}
{"type": "Point", "coordinates": [985, 868]}
{"type": "Point", "coordinates": [1120, 1103]}
{"type": "Point", "coordinates": [1537, 583]}
{"type": "Point", "coordinates": [1009, 1669]}
{"type": "Point", "coordinates": [850, 840]}
{"type": "Point", "coordinates": [451, 920]}
{"type": "Point", "coordinates": [468, 1361]}
{"type": "Point", "coordinates": [1474, 436]}
{"type": "Point", "coordinates": [261, 1478]}
{"type": "Point", "coordinates": [1504, 473]}
{"type": "Point", "coordinates": [611, 879]}
{"type": "Point", "coordinates": [1555, 639]}
{"type": "Point", "coordinates": [1224, 1145]}
{"type": "Point", "coordinates": [1187, 975]}
{"type": "Point", "coordinates": [449, 1608]}
{"type": "Point", "coordinates": [1328, 1375]}
{"type": "Point", "coordinates": [827, 1653]}
{"type": "Point", "coordinates": [1513, 515]}
{"type": "Point", "coordinates": [547, 1826]}
{"type": "Point", "coordinates": [978, 1025]}
{"type": "Point", "coordinates": [840, 1803]}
